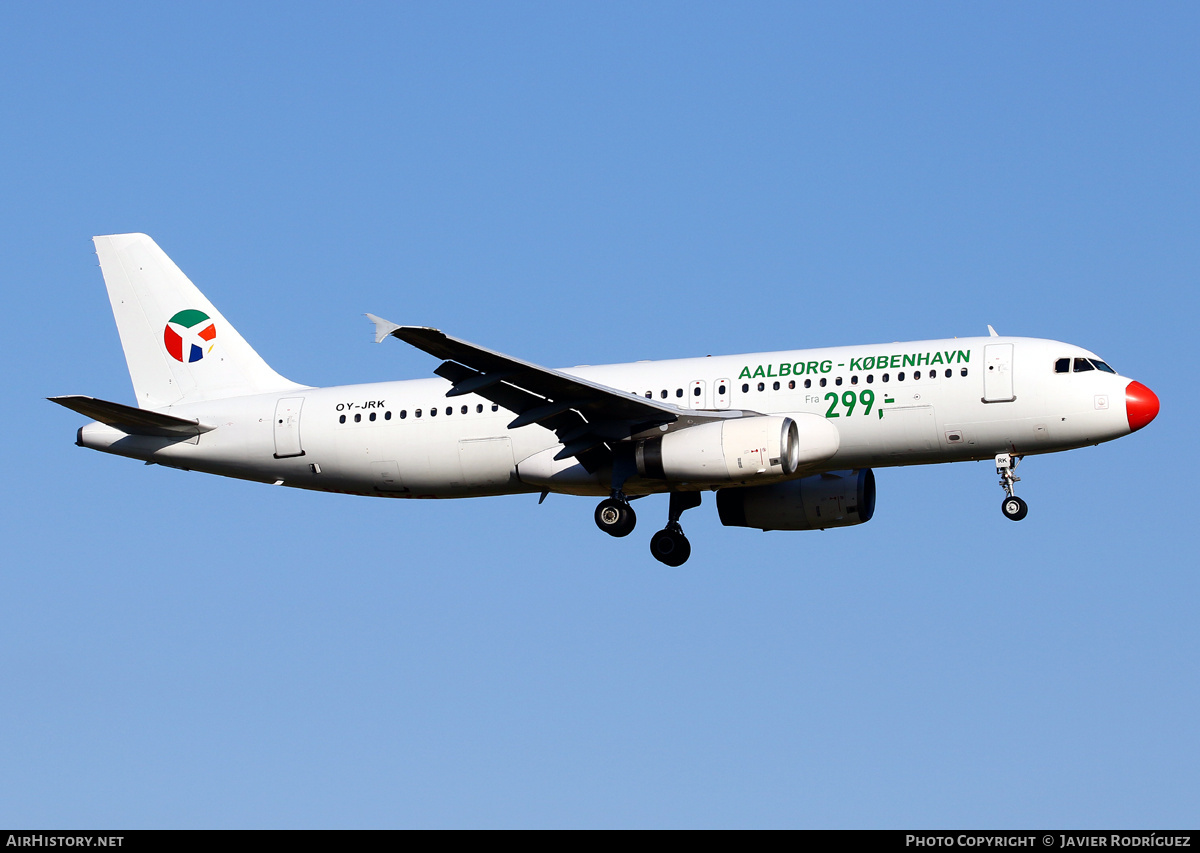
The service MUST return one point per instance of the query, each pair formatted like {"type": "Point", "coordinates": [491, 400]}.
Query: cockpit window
{"type": "Point", "coordinates": [1063, 365]}
{"type": "Point", "coordinates": [1082, 364]}
{"type": "Point", "coordinates": [1102, 366]}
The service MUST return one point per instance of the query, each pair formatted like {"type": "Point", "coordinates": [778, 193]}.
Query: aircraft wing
{"type": "Point", "coordinates": [584, 415]}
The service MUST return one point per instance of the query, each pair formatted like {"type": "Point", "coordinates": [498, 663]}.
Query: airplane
{"type": "Point", "coordinates": [787, 440]}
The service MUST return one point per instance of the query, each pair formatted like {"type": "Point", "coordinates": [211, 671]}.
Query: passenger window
{"type": "Point", "coordinates": [495, 408]}
{"type": "Point", "coordinates": [403, 414]}
{"type": "Point", "coordinates": [887, 378]}
{"type": "Point", "coordinates": [870, 378]}
{"type": "Point", "coordinates": [1063, 365]}
{"type": "Point", "coordinates": [791, 384]}
{"type": "Point", "coordinates": [720, 390]}
{"type": "Point", "coordinates": [417, 413]}
{"type": "Point", "coordinates": [949, 373]}
{"type": "Point", "coordinates": [478, 408]}
{"type": "Point", "coordinates": [358, 419]}
{"type": "Point", "coordinates": [916, 374]}
{"type": "Point", "coordinates": [762, 386]}
{"type": "Point", "coordinates": [342, 419]}
{"type": "Point", "coordinates": [433, 412]}
{"type": "Point", "coordinates": [387, 416]}
{"type": "Point", "coordinates": [449, 410]}
{"type": "Point", "coordinates": [823, 381]}
{"type": "Point", "coordinates": [1082, 365]}
{"type": "Point", "coordinates": [372, 417]}
{"type": "Point", "coordinates": [854, 380]}
{"type": "Point", "coordinates": [837, 381]}
{"type": "Point", "coordinates": [464, 410]}
{"type": "Point", "coordinates": [807, 383]}
{"type": "Point", "coordinates": [775, 386]}
{"type": "Point", "coordinates": [745, 388]}
{"type": "Point", "coordinates": [900, 376]}
{"type": "Point", "coordinates": [679, 391]}
{"type": "Point", "coordinates": [963, 371]}
{"type": "Point", "coordinates": [649, 395]}
{"type": "Point", "coordinates": [664, 393]}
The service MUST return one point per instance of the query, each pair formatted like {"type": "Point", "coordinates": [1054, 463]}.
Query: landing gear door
{"type": "Point", "coordinates": [721, 390]}
{"type": "Point", "coordinates": [287, 427]}
{"type": "Point", "coordinates": [696, 395]}
{"type": "Point", "coordinates": [997, 373]}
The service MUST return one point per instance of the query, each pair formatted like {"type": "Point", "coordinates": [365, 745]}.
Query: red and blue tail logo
{"type": "Point", "coordinates": [190, 335]}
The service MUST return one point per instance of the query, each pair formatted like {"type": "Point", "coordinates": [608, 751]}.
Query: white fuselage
{"type": "Point", "coordinates": [941, 401]}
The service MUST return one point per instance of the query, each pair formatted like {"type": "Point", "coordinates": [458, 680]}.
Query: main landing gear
{"type": "Point", "coordinates": [1012, 506]}
{"type": "Point", "coordinates": [616, 518]}
{"type": "Point", "coordinates": [669, 545]}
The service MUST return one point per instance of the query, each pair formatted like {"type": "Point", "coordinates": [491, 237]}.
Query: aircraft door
{"type": "Point", "coordinates": [997, 373]}
{"type": "Point", "coordinates": [696, 395]}
{"type": "Point", "coordinates": [721, 392]}
{"type": "Point", "coordinates": [287, 427]}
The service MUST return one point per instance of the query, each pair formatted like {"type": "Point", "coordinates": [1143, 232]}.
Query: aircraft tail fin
{"type": "Point", "coordinates": [178, 347]}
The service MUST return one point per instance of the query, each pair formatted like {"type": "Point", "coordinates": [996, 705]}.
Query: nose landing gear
{"type": "Point", "coordinates": [1012, 506]}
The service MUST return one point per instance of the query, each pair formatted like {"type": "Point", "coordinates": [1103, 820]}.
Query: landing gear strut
{"type": "Point", "coordinates": [615, 516]}
{"type": "Point", "coordinates": [669, 545]}
{"type": "Point", "coordinates": [1012, 506]}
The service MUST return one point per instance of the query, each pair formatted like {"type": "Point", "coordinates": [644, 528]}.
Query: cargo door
{"type": "Point", "coordinates": [287, 427]}
{"type": "Point", "coordinates": [909, 430]}
{"type": "Point", "coordinates": [997, 373]}
{"type": "Point", "coordinates": [486, 461]}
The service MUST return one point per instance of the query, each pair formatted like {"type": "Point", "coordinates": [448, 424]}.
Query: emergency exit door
{"type": "Point", "coordinates": [287, 427]}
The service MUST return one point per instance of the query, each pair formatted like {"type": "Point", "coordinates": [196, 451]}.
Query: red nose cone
{"type": "Point", "coordinates": [1141, 405]}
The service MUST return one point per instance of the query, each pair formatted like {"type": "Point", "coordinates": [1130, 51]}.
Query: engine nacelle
{"type": "Point", "coordinates": [737, 449]}
{"type": "Point", "coordinates": [835, 499]}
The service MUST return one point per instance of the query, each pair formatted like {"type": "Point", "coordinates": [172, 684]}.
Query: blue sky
{"type": "Point", "coordinates": [583, 183]}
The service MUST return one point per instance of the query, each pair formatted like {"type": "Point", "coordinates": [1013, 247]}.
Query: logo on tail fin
{"type": "Point", "coordinates": [189, 335]}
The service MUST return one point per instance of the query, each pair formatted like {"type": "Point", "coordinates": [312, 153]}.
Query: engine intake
{"type": "Point", "coordinates": [834, 499]}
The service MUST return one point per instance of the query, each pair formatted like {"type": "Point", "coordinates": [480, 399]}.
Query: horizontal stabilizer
{"type": "Point", "coordinates": [131, 420]}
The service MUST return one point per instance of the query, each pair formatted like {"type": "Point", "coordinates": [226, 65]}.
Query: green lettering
{"type": "Point", "coordinates": [745, 374]}
{"type": "Point", "coordinates": [964, 356]}
{"type": "Point", "coordinates": [758, 371]}
{"type": "Point", "coordinates": [826, 366]}
{"type": "Point", "coordinates": [812, 367]}
{"type": "Point", "coordinates": [856, 364]}
{"type": "Point", "coordinates": [770, 370]}
{"type": "Point", "coordinates": [869, 363]}
{"type": "Point", "coordinates": [937, 358]}
{"type": "Point", "coordinates": [785, 369]}
{"type": "Point", "coordinates": [798, 368]}
{"type": "Point", "coordinates": [949, 356]}
{"type": "Point", "coordinates": [909, 361]}
{"type": "Point", "coordinates": [923, 358]}
{"type": "Point", "coordinates": [895, 362]}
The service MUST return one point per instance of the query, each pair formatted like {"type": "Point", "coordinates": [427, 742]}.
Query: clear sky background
{"type": "Point", "coordinates": [588, 183]}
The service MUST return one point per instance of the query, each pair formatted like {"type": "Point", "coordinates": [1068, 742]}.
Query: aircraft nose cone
{"type": "Point", "coordinates": [1141, 405]}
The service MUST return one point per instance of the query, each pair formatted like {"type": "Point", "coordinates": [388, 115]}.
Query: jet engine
{"type": "Point", "coordinates": [834, 499]}
{"type": "Point", "coordinates": [737, 449]}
